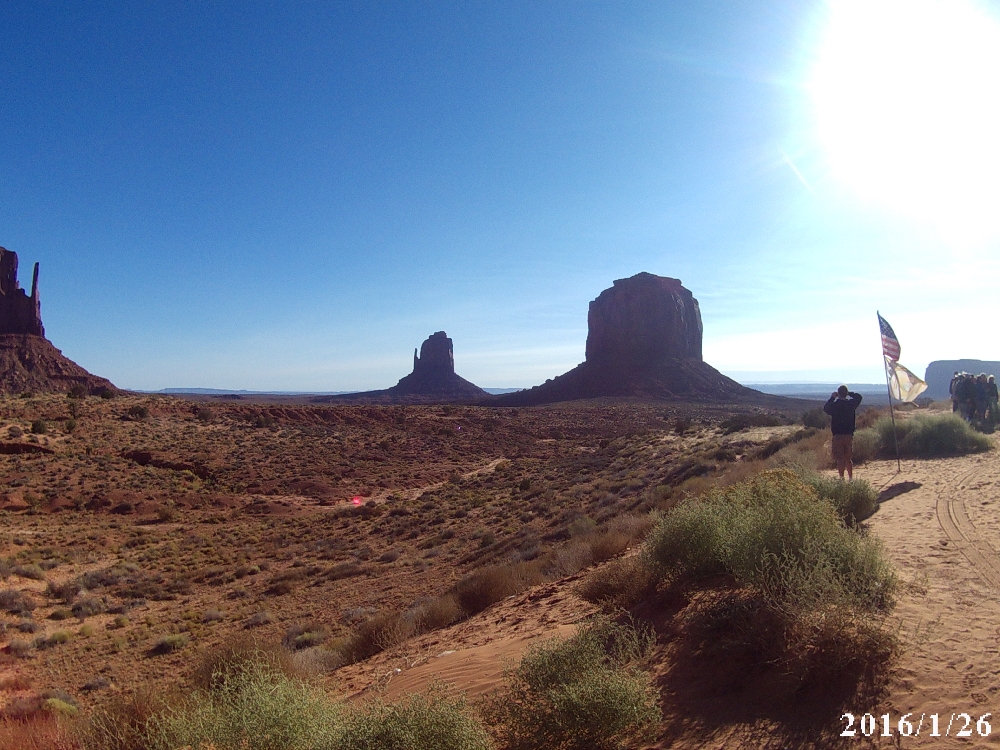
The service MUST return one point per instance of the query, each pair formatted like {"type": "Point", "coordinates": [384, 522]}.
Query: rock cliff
{"type": "Point", "coordinates": [644, 341]}
{"type": "Point", "coordinates": [19, 313]}
{"type": "Point", "coordinates": [29, 361]}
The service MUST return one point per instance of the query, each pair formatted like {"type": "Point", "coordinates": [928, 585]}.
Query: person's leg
{"type": "Point", "coordinates": [838, 454]}
{"type": "Point", "coordinates": [849, 455]}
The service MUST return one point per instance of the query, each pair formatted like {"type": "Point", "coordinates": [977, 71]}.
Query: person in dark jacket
{"type": "Point", "coordinates": [841, 407]}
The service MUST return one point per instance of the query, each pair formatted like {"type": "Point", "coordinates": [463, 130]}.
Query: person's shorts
{"type": "Point", "coordinates": [843, 446]}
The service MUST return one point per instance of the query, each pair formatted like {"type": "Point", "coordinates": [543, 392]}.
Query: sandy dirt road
{"type": "Point", "coordinates": [940, 522]}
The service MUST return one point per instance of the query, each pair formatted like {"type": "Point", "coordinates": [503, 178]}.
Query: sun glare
{"type": "Point", "coordinates": [907, 103]}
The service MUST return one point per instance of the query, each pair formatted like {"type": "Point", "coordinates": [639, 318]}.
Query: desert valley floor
{"type": "Point", "coordinates": [140, 531]}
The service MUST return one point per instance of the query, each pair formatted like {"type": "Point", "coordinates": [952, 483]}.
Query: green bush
{"type": "Point", "coordinates": [774, 534]}
{"type": "Point", "coordinates": [867, 443]}
{"type": "Point", "coordinates": [255, 709]}
{"type": "Point", "coordinates": [923, 436]}
{"type": "Point", "coordinates": [816, 418]}
{"type": "Point", "coordinates": [429, 723]}
{"type": "Point", "coordinates": [583, 692]}
{"type": "Point", "coordinates": [854, 501]}
{"type": "Point", "coordinates": [39, 427]}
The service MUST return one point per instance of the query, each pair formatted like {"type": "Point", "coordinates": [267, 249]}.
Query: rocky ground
{"type": "Point", "coordinates": [141, 530]}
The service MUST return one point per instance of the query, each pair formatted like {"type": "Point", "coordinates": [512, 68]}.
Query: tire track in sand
{"type": "Point", "coordinates": [955, 522]}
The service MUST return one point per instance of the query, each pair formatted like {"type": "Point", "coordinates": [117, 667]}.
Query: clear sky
{"type": "Point", "coordinates": [293, 195]}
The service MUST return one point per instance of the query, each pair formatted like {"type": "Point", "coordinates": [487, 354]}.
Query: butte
{"type": "Point", "coordinates": [28, 360]}
{"type": "Point", "coordinates": [643, 342]}
{"type": "Point", "coordinates": [433, 380]}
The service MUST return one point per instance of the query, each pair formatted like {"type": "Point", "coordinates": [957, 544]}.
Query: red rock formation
{"type": "Point", "coordinates": [19, 313]}
{"type": "Point", "coordinates": [433, 379]}
{"type": "Point", "coordinates": [32, 363]}
{"type": "Point", "coordinates": [29, 361]}
{"type": "Point", "coordinates": [644, 341]}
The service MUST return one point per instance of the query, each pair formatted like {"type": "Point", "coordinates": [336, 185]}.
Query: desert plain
{"type": "Point", "coordinates": [140, 532]}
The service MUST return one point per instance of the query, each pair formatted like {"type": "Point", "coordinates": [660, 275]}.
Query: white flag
{"type": "Point", "coordinates": [903, 384]}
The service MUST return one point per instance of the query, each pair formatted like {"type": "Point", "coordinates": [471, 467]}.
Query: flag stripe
{"type": "Point", "coordinates": [890, 344]}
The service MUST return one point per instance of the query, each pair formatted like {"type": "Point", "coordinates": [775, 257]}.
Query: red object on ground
{"type": "Point", "coordinates": [356, 499]}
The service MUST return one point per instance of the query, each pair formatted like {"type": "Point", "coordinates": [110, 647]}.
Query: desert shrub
{"type": "Point", "coordinates": [257, 619]}
{"type": "Point", "coordinates": [773, 534]}
{"type": "Point", "coordinates": [375, 634]}
{"type": "Point", "coordinates": [478, 590]}
{"type": "Point", "coordinates": [138, 412]}
{"type": "Point", "coordinates": [239, 656]}
{"type": "Point", "coordinates": [816, 418]}
{"type": "Point", "coordinates": [88, 607]}
{"type": "Point", "coordinates": [124, 721]}
{"type": "Point", "coordinates": [867, 417]}
{"type": "Point", "coordinates": [439, 612]}
{"type": "Point", "coordinates": [621, 583]}
{"type": "Point", "coordinates": [57, 638]}
{"type": "Point", "coordinates": [739, 422]}
{"type": "Point", "coordinates": [106, 394]}
{"type": "Point", "coordinates": [305, 635]}
{"type": "Point", "coordinates": [78, 390]}
{"type": "Point", "coordinates": [19, 648]}
{"type": "Point", "coordinates": [256, 709]}
{"type": "Point", "coordinates": [585, 692]}
{"type": "Point", "coordinates": [15, 432]}
{"type": "Point", "coordinates": [32, 571]}
{"type": "Point", "coordinates": [213, 615]}
{"type": "Point", "coordinates": [16, 602]}
{"type": "Point", "coordinates": [39, 427]}
{"type": "Point", "coordinates": [40, 731]}
{"type": "Point", "coordinates": [168, 644]}
{"type": "Point", "coordinates": [203, 414]}
{"type": "Point", "coordinates": [931, 435]}
{"type": "Point", "coordinates": [854, 501]}
{"type": "Point", "coordinates": [69, 425]}
{"type": "Point", "coordinates": [431, 722]}
{"type": "Point", "coordinates": [867, 443]}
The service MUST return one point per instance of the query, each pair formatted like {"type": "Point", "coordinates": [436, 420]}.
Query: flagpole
{"type": "Point", "coordinates": [892, 415]}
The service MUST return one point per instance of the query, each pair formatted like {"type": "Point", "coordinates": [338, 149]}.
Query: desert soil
{"type": "Point", "coordinates": [940, 525]}
{"type": "Point", "coordinates": [244, 519]}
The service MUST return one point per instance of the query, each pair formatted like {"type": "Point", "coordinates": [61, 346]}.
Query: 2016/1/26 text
{"type": "Point", "coordinates": [959, 725]}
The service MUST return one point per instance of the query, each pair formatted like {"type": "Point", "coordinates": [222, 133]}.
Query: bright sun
{"type": "Point", "coordinates": [907, 101]}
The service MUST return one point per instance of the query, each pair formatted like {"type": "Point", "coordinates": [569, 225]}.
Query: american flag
{"type": "Point", "coordinates": [890, 344]}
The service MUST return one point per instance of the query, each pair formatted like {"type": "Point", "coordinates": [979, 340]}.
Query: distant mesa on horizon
{"type": "Point", "coordinates": [940, 372]}
{"type": "Point", "coordinates": [644, 341]}
{"type": "Point", "coordinates": [28, 360]}
{"type": "Point", "coordinates": [433, 379]}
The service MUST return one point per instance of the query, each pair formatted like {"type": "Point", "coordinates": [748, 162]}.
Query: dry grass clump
{"type": "Point", "coordinates": [478, 590]}
{"type": "Point", "coordinates": [923, 436]}
{"type": "Point", "coordinates": [619, 584]}
{"type": "Point", "coordinates": [238, 655]}
{"type": "Point", "coordinates": [40, 731]}
{"type": "Point", "coordinates": [585, 692]}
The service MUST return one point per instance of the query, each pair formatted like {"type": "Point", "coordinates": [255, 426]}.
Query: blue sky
{"type": "Point", "coordinates": [293, 195]}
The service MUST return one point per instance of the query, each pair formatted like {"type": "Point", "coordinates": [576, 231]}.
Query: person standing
{"type": "Point", "coordinates": [842, 407]}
